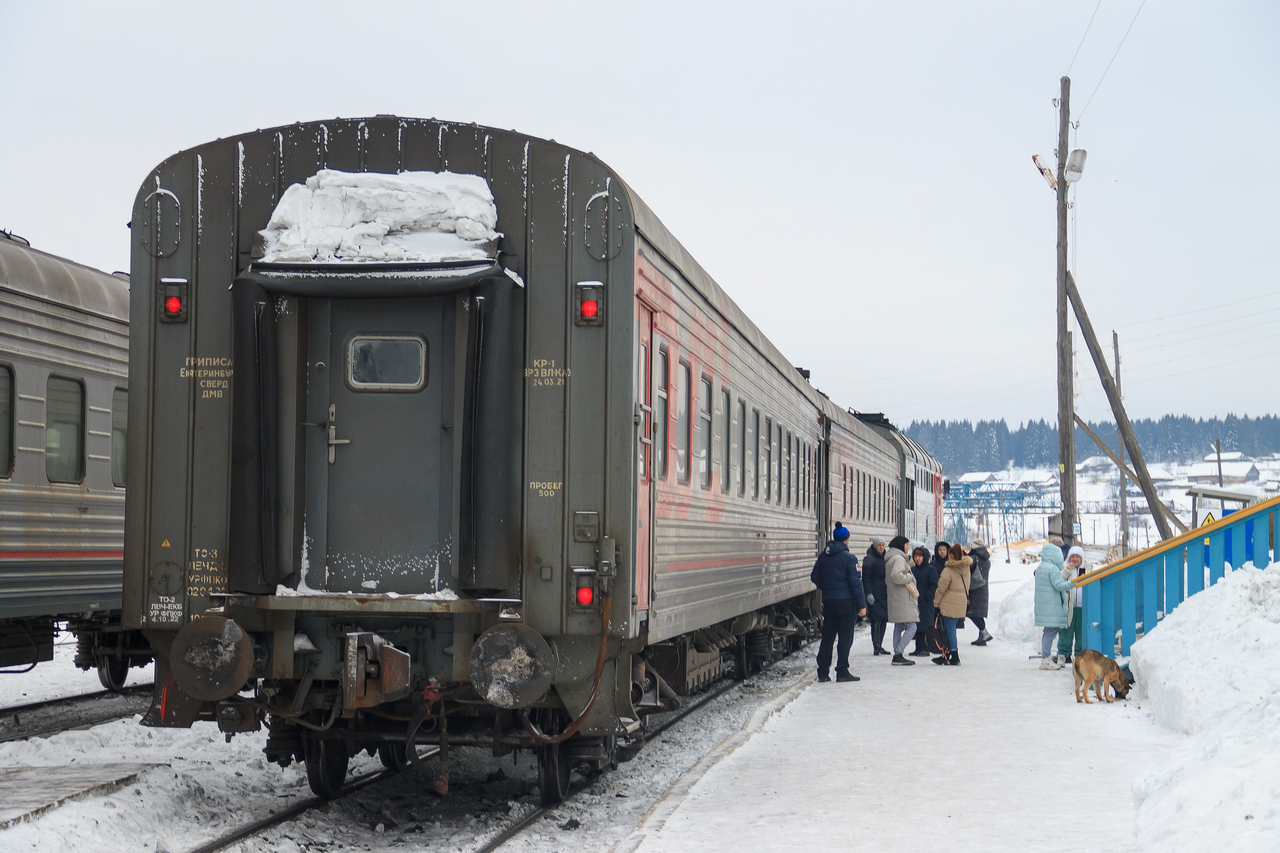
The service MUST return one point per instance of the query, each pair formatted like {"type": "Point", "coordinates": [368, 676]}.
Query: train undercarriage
{"type": "Point", "coordinates": [324, 723]}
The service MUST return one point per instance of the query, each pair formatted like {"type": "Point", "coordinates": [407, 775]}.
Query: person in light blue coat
{"type": "Point", "coordinates": [1052, 589]}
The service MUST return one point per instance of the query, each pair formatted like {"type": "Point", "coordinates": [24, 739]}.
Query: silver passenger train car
{"type": "Point", "coordinates": [439, 436]}
{"type": "Point", "coordinates": [64, 336]}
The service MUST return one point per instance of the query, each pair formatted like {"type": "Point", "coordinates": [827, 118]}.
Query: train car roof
{"type": "Point", "coordinates": [60, 281]}
{"type": "Point", "coordinates": [907, 445]}
{"type": "Point", "coordinates": [650, 227]}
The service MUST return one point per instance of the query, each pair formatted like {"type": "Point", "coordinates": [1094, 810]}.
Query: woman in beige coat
{"type": "Point", "coordinates": [904, 609]}
{"type": "Point", "coordinates": [952, 599]}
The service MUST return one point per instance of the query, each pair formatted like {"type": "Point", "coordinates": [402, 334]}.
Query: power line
{"type": "Point", "coordinates": [1198, 310]}
{"type": "Point", "coordinates": [1082, 38]}
{"type": "Point", "coordinates": [1113, 59]}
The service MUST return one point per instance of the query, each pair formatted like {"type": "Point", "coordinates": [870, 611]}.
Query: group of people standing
{"type": "Point", "coordinates": [906, 587]}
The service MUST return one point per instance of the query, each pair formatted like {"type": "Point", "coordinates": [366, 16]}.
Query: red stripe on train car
{"type": "Point", "coordinates": [60, 555]}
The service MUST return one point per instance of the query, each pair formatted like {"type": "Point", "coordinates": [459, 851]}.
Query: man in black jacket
{"type": "Point", "coordinates": [836, 575]}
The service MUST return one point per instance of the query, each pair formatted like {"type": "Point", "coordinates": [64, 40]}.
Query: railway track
{"type": "Point", "coordinates": [533, 817]}
{"type": "Point", "coordinates": [505, 835]}
{"type": "Point", "coordinates": [40, 719]}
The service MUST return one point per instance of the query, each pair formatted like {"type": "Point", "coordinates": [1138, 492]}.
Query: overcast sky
{"type": "Point", "coordinates": [857, 176]}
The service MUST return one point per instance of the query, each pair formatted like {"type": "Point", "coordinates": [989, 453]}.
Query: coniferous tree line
{"type": "Point", "coordinates": [962, 446]}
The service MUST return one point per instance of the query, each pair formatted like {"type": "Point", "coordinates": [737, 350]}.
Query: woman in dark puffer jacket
{"type": "Point", "coordinates": [927, 573]}
{"type": "Point", "coordinates": [874, 581]}
{"type": "Point", "coordinates": [979, 591]}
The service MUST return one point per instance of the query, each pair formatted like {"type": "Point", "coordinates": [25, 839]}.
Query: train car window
{"type": "Point", "coordinates": [704, 435]}
{"type": "Point", "coordinates": [726, 442]}
{"type": "Point", "coordinates": [742, 448]}
{"type": "Point", "coordinates": [660, 417]}
{"type": "Point", "coordinates": [755, 444]}
{"type": "Point", "coordinates": [804, 476]}
{"type": "Point", "coordinates": [768, 459]}
{"type": "Point", "coordinates": [6, 422]}
{"type": "Point", "coordinates": [683, 390]}
{"type": "Point", "coordinates": [844, 489]}
{"type": "Point", "coordinates": [387, 363]}
{"type": "Point", "coordinates": [788, 462]}
{"type": "Point", "coordinates": [777, 466]}
{"type": "Point", "coordinates": [119, 422]}
{"type": "Point", "coordinates": [64, 431]}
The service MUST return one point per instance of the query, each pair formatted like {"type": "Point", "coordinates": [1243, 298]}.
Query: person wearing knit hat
{"type": "Point", "coordinates": [1073, 634]}
{"type": "Point", "coordinates": [836, 574]}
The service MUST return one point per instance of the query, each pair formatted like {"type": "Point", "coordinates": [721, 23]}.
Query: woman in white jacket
{"type": "Point", "coordinates": [1075, 567]}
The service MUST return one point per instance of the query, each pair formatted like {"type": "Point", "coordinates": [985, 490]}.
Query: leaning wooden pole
{"type": "Point", "coordinates": [1115, 457]}
{"type": "Point", "coordinates": [1117, 408]}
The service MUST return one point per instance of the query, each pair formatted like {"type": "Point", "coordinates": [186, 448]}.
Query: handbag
{"type": "Point", "coordinates": [935, 637]}
{"type": "Point", "coordinates": [976, 579]}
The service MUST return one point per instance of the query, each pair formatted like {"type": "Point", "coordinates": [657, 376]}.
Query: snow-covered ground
{"type": "Point", "coordinates": [994, 755]}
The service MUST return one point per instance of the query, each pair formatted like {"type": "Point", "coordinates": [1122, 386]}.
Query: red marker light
{"type": "Point", "coordinates": [586, 595]}
{"type": "Point", "coordinates": [590, 308]}
{"type": "Point", "coordinates": [173, 305]}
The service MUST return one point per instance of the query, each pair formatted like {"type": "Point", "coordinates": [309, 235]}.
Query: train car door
{"type": "Point", "coordinates": [644, 456]}
{"type": "Point", "coordinates": [380, 485]}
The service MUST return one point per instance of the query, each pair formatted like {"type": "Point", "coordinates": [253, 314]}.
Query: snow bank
{"type": "Point", "coordinates": [1211, 670]}
{"type": "Point", "coordinates": [1016, 616]}
{"type": "Point", "coordinates": [375, 217]}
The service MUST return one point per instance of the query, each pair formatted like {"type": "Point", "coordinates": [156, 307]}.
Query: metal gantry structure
{"type": "Point", "coordinates": [1004, 506]}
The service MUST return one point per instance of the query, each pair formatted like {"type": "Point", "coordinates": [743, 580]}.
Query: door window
{"type": "Point", "coordinates": [387, 363]}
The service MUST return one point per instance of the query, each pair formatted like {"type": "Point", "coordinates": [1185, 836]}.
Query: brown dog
{"type": "Point", "coordinates": [1093, 668]}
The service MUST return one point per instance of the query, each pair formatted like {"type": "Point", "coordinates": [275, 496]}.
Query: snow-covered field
{"type": "Point", "coordinates": [972, 759]}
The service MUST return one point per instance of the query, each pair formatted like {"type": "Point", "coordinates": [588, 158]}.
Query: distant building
{"type": "Point", "coordinates": [1233, 473]}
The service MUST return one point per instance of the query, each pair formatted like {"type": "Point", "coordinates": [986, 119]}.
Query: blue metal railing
{"type": "Point", "coordinates": [1133, 595]}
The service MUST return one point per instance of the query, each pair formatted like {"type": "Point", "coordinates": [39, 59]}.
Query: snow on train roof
{"type": "Point", "coordinates": [355, 217]}
{"type": "Point", "coordinates": [64, 282]}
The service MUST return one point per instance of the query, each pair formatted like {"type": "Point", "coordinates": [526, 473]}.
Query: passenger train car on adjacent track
{"type": "Point", "coordinates": [439, 436]}
{"type": "Point", "coordinates": [64, 336]}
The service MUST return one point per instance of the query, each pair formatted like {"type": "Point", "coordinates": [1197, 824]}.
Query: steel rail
{"type": "Point", "coordinates": [70, 702]}
{"type": "Point", "coordinates": [288, 814]}
{"type": "Point", "coordinates": [542, 811]}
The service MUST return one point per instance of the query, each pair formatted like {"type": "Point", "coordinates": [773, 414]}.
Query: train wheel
{"type": "Point", "coordinates": [113, 672]}
{"type": "Point", "coordinates": [326, 762]}
{"type": "Point", "coordinates": [393, 756]}
{"type": "Point", "coordinates": [553, 774]}
{"type": "Point", "coordinates": [741, 663]}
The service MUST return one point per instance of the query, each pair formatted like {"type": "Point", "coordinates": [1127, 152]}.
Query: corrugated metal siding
{"type": "Point", "coordinates": [60, 543]}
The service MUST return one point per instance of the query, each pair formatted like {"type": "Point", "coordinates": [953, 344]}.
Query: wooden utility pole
{"type": "Point", "coordinates": [1066, 393]}
{"type": "Point", "coordinates": [1124, 489]}
{"type": "Point", "coordinates": [1117, 408]}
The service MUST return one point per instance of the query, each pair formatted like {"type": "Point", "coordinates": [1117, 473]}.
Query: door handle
{"type": "Point", "coordinates": [334, 441]}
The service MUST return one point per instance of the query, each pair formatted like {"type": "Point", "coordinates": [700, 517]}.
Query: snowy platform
{"type": "Point", "coordinates": [992, 755]}
{"type": "Point", "coordinates": [26, 792]}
